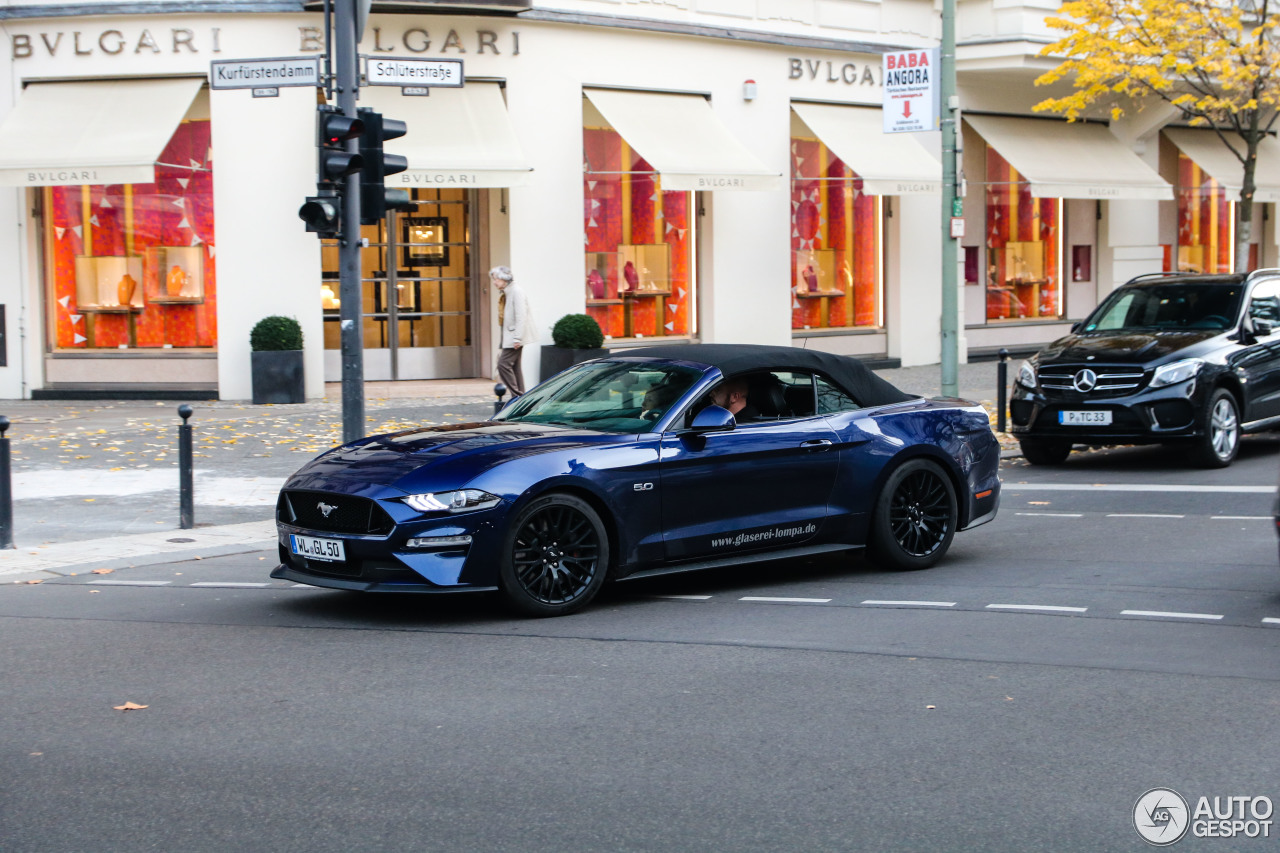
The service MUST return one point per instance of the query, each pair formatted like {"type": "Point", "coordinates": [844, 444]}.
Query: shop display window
{"type": "Point", "coordinates": [430, 274]}
{"type": "Point", "coordinates": [1204, 221]}
{"type": "Point", "coordinates": [132, 265]}
{"type": "Point", "coordinates": [1024, 248]}
{"type": "Point", "coordinates": [835, 243]}
{"type": "Point", "coordinates": [638, 280]}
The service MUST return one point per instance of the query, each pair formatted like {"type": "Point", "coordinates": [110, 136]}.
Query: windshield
{"type": "Point", "coordinates": [610, 396]}
{"type": "Point", "coordinates": [1167, 306]}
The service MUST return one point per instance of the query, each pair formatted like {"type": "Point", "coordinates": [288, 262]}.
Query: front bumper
{"type": "Point", "coordinates": [1149, 415]}
{"type": "Point", "coordinates": [387, 563]}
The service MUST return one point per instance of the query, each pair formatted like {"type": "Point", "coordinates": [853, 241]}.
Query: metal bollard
{"type": "Point", "coordinates": [6, 489]}
{"type": "Point", "coordinates": [500, 391]}
{"type": "Point", "coordinates": [1002, 378]}
{"type": "Point", "coordinates": [186, 491]}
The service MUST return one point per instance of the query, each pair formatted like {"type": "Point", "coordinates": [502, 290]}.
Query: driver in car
{"type": "Point", "coordinates": [732, 395]}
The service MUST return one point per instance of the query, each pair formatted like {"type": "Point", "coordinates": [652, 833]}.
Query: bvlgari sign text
{"type": "Point", "coordinates": [114, 42]}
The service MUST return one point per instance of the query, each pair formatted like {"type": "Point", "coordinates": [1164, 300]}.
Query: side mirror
{"type": "Point", "coordinates": [712, 419]}
{"type": "Point", "coordinates": [1262, 328]}
{"type": "Point", "coordinates": [1075, 327]}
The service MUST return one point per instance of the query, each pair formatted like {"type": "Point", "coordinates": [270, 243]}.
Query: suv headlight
{"type": "Point", "coordinates": [1027, 375]}
{"type": "Point", "coordinates": [462, 500]}
{"type": "Point", "coordinates": [1175, 372]}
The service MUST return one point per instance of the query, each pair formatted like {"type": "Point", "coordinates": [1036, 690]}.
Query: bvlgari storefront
{"type": "Point", "coordinates": [673, 188]}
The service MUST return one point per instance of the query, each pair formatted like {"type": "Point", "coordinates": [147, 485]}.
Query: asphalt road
{"type": "Point", "coordinates": [1106, 635]}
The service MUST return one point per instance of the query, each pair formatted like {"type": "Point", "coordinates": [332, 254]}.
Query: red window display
{"type": "Point", "coordinates": [132, 265]}
{"type": "Point", "coordinates": [639, 243]}
{"type": "Point", "coordinates": [1024, 249]}
{"type": "Point", "coordinates": [1204, 221]}
{"type": "Point", "coordinates": [835, 242]}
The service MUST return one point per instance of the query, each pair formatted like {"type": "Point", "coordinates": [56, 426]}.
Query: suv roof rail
{"type": "Point", "coordinates": [1149, 275]}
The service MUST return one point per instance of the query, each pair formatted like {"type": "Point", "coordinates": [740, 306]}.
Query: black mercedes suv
{"type": "Point", "coordinates": [1168, 357]}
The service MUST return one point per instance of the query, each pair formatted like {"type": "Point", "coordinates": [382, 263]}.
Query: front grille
{"type": "Point", "coordinates": [332, 513]}
{"type": "Point", "coordinates": [1114, 380]}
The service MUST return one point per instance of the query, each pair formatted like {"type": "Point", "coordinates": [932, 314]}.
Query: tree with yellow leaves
{"type": "Point", "coordinates": [1217, 62]}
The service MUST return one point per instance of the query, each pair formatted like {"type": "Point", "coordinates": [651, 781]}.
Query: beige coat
{"type": "Point", "coordinates": [517, 325]}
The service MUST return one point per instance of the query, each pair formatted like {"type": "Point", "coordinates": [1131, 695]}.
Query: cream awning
{"type": "Point", "coordinates": [1071, 159]}
{"type": "Point", "coordinates": [684, 140]}
{"type": "Point", "coordinates": [1207, 150]}
{"type": "Point", "coordinates": [94, 132]}
{"type": "Point", "coordinates": [460, 138]}
{"type": "Point", "coordinates": [888, 164]}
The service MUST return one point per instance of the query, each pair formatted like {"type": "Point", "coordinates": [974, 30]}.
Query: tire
{"type": "Point", "coordinates": [1045, 451]}
{"type": "Point", "coordinates": [1219, 441]}
{"type": "Point", "coordinates": [555, 557]}
{"type": "Point", "coordinates": [915, 517]}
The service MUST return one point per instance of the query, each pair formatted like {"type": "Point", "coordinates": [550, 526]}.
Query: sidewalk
{"type": "Point", "coordinates": [106, 472]}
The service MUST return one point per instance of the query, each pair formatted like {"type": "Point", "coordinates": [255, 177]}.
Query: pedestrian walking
{"type": "Point", "coordinates": [516, 326]}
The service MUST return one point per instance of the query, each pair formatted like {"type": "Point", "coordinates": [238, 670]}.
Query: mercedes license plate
{"type": "Point", "coordinates": [1085, 418]}
{"type": "Point", "coordinates": [315, 548]}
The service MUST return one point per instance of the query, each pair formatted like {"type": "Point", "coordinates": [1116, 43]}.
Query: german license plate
{"type": "Point", "coordinates": [315, 548]}
{"type": "Point", "coordinates": [1102, 418]}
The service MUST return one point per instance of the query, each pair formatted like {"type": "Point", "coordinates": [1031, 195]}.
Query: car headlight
{"type": "Point", "coordinates": [1175, 372]}
{"type": "Point", "coordinates": [1027, 375]}
{"type": "Point", "coordinates": [462, 500]}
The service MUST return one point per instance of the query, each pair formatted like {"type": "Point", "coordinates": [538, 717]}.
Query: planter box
{"type": "Point", "coordinates": [556, 359]}
{"type": "Point", "coordinates": [277, 377]}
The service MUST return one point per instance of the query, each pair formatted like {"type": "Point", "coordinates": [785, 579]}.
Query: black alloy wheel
{"type": "Point", "coordinates": [1219, 440]}
{"type": "Point", "coordinates": [556, 557]}
{"type": "Point", "coordinates": [1045, 451]}
{"type": "Point", "coordinates": [915, 518]}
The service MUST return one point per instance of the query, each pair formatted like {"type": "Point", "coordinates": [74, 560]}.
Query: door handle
{"type": "Point", "coordinates": [816, 444]}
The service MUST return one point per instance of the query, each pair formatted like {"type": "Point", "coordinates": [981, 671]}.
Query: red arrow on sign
{"type": "Point", "coordinates": [906, 109]}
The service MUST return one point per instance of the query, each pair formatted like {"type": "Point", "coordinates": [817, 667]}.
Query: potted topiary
{"type": "Point", "coordinates": [276, 344]}
{"type": "Point", "coordinates": [577, 337]}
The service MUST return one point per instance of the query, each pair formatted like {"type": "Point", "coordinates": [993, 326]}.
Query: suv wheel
{"type": "Point", "coordinates": [1045, 451]}
{"type": "Point", "coordinates": [1220, 431]}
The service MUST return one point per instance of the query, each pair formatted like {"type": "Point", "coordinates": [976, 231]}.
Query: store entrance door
{"type": "Point", "coordinates": [425, 258]}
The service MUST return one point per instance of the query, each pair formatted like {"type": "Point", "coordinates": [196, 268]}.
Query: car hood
{"type": "Point", "coordinates": [1127, 347]}
{"type": "Point", "coordinates": [459, 451]}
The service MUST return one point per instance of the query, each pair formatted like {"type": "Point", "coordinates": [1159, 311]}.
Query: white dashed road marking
{"type": "Point", "coordinates": [1046, 608]}
{"type": "Point", "coordinates": [910, 603]}
{"type": "Point", "coordinates": [1142, 515]}
{"type": "Point", "coordinates": [1270, 620]}
{"type": "Point", "coordinates": [780, 600]}
{"type": "Point", "coordinates": [230, 585]}
{"type": "Point", "coordinates": [1134, 487]}
{"type": "Point", "coordinates": [1165, 615]}
{"type": "Point", "coordinates": [684, 597]}
{"type": "Point", "coordinates": [1054, 514]}
{"type": "Point", "coordinates": [1239, 518]}
{"type": "Point", "coordinates": [130, 583]}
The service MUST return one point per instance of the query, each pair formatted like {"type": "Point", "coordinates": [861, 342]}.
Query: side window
{"type": "Point", "coordinates": [831, 399]}
{"type": "Point", "coordinates": [1264, 302]}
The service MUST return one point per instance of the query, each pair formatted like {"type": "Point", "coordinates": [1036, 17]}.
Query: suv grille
{"type": "Point", "coordinates": [346, 514]}
{"type": "Point", "coordinates": [1113, 380]}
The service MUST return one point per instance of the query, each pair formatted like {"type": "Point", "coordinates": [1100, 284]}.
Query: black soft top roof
{"type": "Point", "coordinates": [849, 373]}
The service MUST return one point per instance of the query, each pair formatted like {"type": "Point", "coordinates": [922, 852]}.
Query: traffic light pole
{"type": "Point", "coordinates": [346, 61]}
{"type": "Point", "coordinates": [950, 252]}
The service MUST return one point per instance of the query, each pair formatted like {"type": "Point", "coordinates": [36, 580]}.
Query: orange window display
{"type": "Point", "coordinates": [639, 243]}
{"type": "Point", "coordinates": [835, 242]}
{"type": "Point", "coordinates": [1204, 221]}
{"type": "Point", "coordinates": [1023, 247]}
{"type": "Point", "coordinates": [132, 265]}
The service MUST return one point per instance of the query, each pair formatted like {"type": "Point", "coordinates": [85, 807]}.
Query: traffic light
{"type": "Point", "coordinates": [375, 198]}
{"type": "Point", "coordinates": [323, 211]}
{"type": "Point", "coordinates": [333, 129]}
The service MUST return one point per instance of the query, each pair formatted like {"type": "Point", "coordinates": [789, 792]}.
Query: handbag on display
{"type": "Point", "coordinates": [595, 283]}
{"type": "Point", "coordinates": [632, 277]}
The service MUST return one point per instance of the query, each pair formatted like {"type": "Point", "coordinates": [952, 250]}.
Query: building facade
{"type": "Point", "coordinates": [708, 170]}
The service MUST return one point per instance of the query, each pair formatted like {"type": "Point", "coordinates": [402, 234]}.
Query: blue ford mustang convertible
{"type": "Point", "coordinates": [634, 465]}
